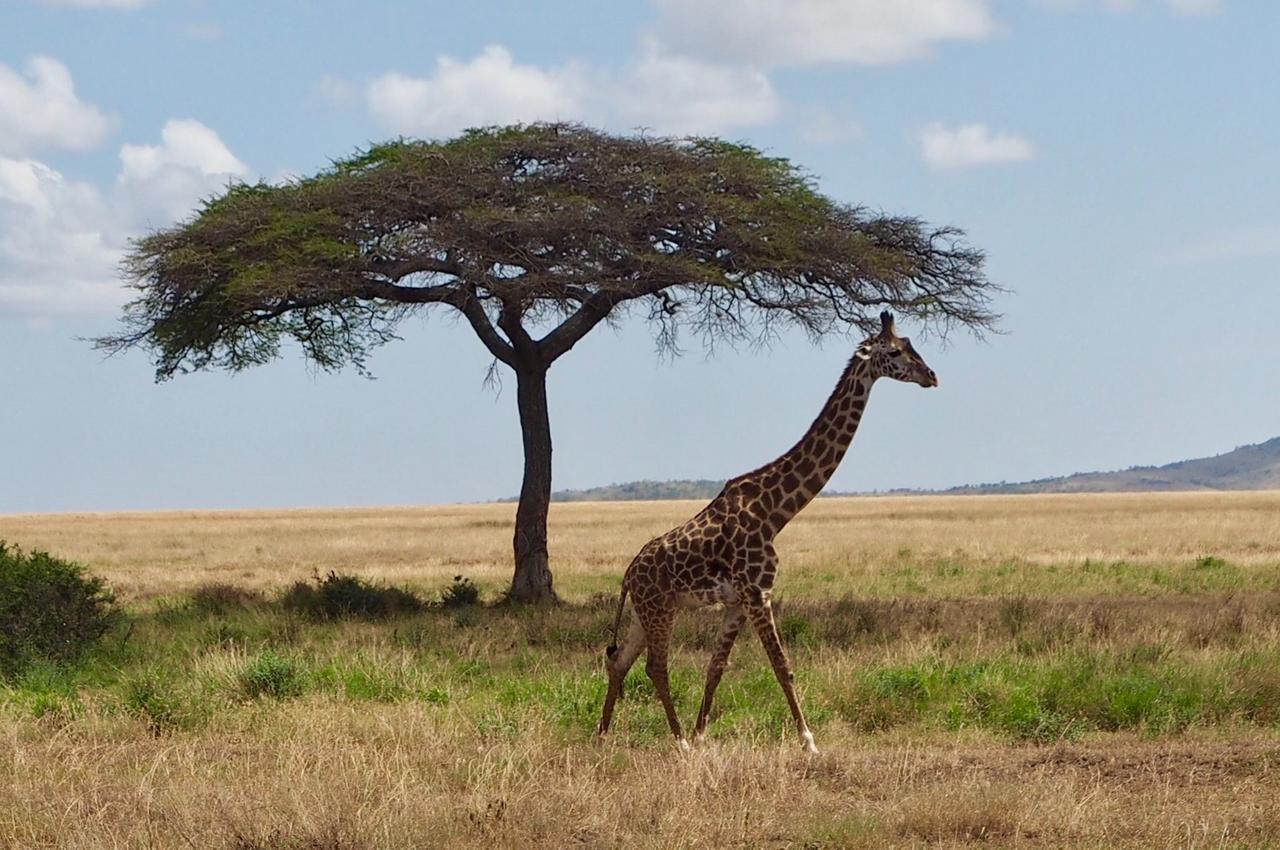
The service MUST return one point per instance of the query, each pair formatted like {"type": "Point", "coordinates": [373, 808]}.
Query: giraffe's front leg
{"type": "Point", "coordinates": [658, 630]}
{"type": "Point", "coordinates": [733, 619]}
{"type": "Point", "coordinates": [761, 614]}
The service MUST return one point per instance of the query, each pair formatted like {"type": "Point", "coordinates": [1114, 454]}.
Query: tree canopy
{"type": "Point", "coordinates": [535, 234]}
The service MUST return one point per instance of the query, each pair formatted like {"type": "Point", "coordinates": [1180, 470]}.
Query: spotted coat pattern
{"type": "Point", "coordinates": [725, 554]}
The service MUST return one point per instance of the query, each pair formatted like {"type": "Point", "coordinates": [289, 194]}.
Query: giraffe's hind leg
{"type": "Point", "coordinates": [733, 619]}
{"type": "Point", "coordinates": [617, 667]}
{"type": "Point", "coordinates": [762, 618]}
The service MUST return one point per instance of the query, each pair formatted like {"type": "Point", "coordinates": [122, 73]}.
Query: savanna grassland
{"type": "Point", "coordinates": [1026, 671]}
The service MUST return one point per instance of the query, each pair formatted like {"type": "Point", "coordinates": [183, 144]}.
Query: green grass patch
{"type": "Point", "coordinates": [1024, 668]}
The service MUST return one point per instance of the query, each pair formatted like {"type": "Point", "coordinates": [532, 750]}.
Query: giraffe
{"type": "Point", "coordinates": [725, 554]}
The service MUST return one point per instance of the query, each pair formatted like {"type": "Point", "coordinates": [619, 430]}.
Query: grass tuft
{"type": "Point", "coordinates": [272, 675]}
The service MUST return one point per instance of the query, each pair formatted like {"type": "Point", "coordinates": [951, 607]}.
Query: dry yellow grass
{"type": "Point", "coordinates": [326, 771]}
{"type": "Point", "coordinates": [327, 775]}
{"type": "Point", "coordinates": [869, 546]}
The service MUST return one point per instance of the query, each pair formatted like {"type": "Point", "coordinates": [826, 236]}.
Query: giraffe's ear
{"type": "Point", "coordinates": [886, 324]}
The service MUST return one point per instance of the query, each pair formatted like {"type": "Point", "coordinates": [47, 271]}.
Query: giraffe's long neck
{"type": "Point", "coordinates": [801, 472]}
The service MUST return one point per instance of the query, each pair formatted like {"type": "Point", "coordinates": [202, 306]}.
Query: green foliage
{"type": "Point", "coordinates": [907, 666]}
{"type": "Point", "coordinates": [146, 697]}
{"type": "Point", "coordinates": [45, 690]}
{"type": "Point", "coordinates": [342, 597]}
{"type": "Point", "coordinates": [572, 212]}
{"type": "Point", "coordinates": [461, 593]}
{"type": "Point", "coordinates": [272, 675]}
{"type": "Point", "coordinates": [50, 610]}
{"type": "Point", "coordinates": [795, 630]}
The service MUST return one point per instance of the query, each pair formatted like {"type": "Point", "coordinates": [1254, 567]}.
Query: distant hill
{"type": "Point", "coordinates": [1253, 467]}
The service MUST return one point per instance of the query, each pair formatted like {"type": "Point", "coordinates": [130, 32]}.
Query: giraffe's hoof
{"type": "Point", "coordinates": [809, 746]}
{"type": "Point", "coordinates": [683, 745]}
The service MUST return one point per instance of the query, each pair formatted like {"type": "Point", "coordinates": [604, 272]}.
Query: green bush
{"type": "Point", "coordinates": [462, 593]}
{"type": "Point", "coordinates": [50, 610]}
{"type": "Point", "coordinates": [341, 597]}
{"type": "Point", "coordinates": [272, 675]}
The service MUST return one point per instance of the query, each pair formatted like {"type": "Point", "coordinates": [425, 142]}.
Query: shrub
{"type": "Point", "coordinates": [272, 675]}
{"type": "Point", "coordinates": [462, 593]}
{"type": "Point", "coordinates": [340, 597]}
{"type": "Point", "coordinates": [221, 598]}
{"type": "Point", "coordinates": [145, 698]}
{"type": "Point", "coordinates": [50, 610]}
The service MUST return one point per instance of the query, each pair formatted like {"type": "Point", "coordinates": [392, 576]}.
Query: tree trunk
{"type": "Point", "coordinates": [532, 579]}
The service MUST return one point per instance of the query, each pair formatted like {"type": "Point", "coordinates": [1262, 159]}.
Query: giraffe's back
{"type": "Point", "coordinates": [702, 562]}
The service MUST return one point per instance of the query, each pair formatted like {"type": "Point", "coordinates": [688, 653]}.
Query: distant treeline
{"type": "Point", "coordinates": [647, 491]}
{"type": "Point", "coordinates": [639, 491]}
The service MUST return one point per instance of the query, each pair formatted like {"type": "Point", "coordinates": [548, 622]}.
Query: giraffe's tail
{"type": "Point", "coordinates": [612, 648]}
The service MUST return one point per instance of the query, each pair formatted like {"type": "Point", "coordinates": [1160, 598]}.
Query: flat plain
{"type": "Point", "coordinates": [1001, 671]}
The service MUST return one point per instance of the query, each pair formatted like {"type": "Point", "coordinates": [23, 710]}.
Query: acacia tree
{"type": "Point", "coordinates": [535, 234]}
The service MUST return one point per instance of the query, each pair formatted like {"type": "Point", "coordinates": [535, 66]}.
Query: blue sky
{"type": "Point", "coordinates": [1115, 158]}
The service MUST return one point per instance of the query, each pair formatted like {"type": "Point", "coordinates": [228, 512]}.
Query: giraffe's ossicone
{"type": "Point", "coordinates": [725, 554]}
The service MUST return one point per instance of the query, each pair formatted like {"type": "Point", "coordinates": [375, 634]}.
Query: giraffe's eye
{"type": "Point", "coordinates": [897, 352]}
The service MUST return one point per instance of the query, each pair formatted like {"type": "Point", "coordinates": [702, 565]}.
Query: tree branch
{"type": "Point", "coordinates": [445, 293]}
{"type": "Point", "coordinates": [498, 347]}
{"type": "Point", "coordinates": [593, 311]}
{"type": "Point", "coordinates": [397, 271]}
{"type": "Point", "coordinates": [524, 346]}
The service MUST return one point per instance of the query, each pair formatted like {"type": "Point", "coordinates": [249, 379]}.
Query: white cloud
{"type": "Point", "coordinates": [41, 109]}
{"type": "Point", "coordinates": [490, 89]}
{"type": "Point", "coordinates": [58, 253]}
{"type": "Point", "coordinates": [807, 32]}
{"type": "Point", "coordinates": [970, 145]}
{"type": "Point", "coordinates": [677, 95]}
{"type": "Point", "coordinates": [61, 240]}
{"type": "Point", "coordinates": [160, 183]}
{"type": "Point", "coordinates": [666, 93]}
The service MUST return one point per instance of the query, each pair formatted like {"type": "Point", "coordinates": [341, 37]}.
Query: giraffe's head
{"type": "Point", "coordinates": [892, 356]}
